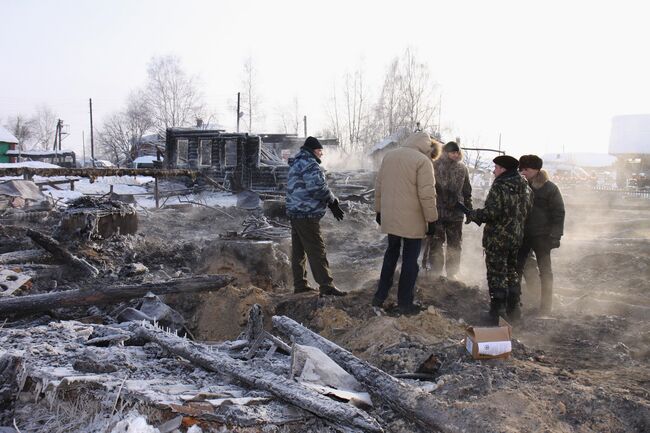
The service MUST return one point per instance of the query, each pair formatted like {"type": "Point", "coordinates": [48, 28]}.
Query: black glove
{"type": "Point", "coordinates": [468, 219]}
{"type": "Point", "coordinates": [378, 218]}
{"type": "Point", "coordinates": [431, 229]}
{"type": "Point", "coordinates": [461, 207]}
{"type": "Point", "coordinates": [554, 243]}
{"type": "Point", "coordinates": [336, 209]}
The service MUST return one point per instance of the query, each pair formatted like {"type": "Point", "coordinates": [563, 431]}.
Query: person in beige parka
{"type": "Point", "coordinates": [405, 202]}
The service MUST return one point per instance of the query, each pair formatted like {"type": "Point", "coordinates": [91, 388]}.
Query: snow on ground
{"type": "Point", "coordinates": [223, 199]}
{"type": "Point", "coordinates": [135, 185]}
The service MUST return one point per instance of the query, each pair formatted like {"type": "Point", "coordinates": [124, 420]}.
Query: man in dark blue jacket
{"type": "Point", "coordinates": [307, 199]}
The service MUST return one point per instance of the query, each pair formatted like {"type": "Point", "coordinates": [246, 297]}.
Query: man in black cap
{"type": "Point", "coordinates": [307, 198]}
{"type": "Point", "coordinates": [543, 230]}
{"type": "Point", "coordinates": [452, 186]}
{"type": "Point", "coordinates": [504, 215]}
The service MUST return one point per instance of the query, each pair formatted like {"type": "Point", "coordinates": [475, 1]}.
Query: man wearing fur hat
{"type": "Point", "coordinates": [405, 202]}
{"type": "Point", "coordinates": [506, 208]}
{"type": "Point", "coordinates": [452, 186]}
{"type": "Point", "coordinates": [544, 227]}
{"type": "Point", "coordinates": [307, 198]}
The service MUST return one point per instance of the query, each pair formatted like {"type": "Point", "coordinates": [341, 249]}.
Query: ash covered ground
{"type": "Point", "coordinates": [585, 368]}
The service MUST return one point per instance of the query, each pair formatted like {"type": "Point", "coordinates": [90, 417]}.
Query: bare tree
{"type": "Point", "coordinates": [408, 96]}
{"type": "Point", "coordinates": [44, 122]}
{"type": "Point", "coordinates": [349, 112]}
{"type": "Point", "coordinates": [290, 117]}
{"type": "Point", "coordinates": [22, 128]}
{"type": "Point", "coordinates": [171, 96]}
{"type": "Point", "coordinates": [418, 91]}
{"type": "Point", "coordinates": [388, 112]}
{"type": "Point", "coordinates": [250, 108]}
{"type": "Point", "coordinates": [122, 132]}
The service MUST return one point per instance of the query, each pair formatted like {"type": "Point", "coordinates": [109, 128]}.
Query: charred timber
{"type": "Point", "coordinates": [96, 172]}
{"type": "Point", "coordinates": [25, 305]}
{"type": "Point", "coordinates": [52, 246]}
{"type": "Point", "coordinates": [409, 401]}
{"type": "Point", "coordinates": [285, 389]}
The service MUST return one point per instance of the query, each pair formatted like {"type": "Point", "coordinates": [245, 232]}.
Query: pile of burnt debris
{"type": "Point", "coordinates": [92, 375]}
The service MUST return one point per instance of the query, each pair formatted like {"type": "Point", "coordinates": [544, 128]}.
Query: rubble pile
{"type": "Point", "coordinates": [190, 324]}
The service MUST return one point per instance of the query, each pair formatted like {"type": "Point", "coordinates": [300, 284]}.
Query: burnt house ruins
{"type": "Point", "coordinates": [237, 160]}
{"type": "Point", "coordinates": [286, 145]}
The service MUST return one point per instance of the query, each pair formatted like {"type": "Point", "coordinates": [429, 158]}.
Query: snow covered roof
{"type": "Point", "coordinates": [30, 164]}
{"type": "Point", "coordinates": [6, 136]}
{"type": "Point", "coordinates": [147, 159]}
{"type": "Point", "coordinates": [42, 153]}
{"type": "Point", "coordinates": [580, 159]}
{"type": "Point", "coordinates": [394, 138]}
{"type": "Point", "coordinates": [630, 135]}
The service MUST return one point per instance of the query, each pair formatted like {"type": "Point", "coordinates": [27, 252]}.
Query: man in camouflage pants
{"type": "Point", "coordinates": [452, 186]}
{"type": "Point", "coordinates": [307, 198]}
{"type": "Point", "coordinates": [506, 207]}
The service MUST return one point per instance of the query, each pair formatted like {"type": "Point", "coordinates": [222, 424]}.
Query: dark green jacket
{"type": "Point", "coordinates": [547, 216]}
{"type": "Point", "coordinates": [505, 211]}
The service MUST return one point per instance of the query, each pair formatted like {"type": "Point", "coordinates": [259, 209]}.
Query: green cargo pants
{"type": "Point", "coordinates": [306, 239]}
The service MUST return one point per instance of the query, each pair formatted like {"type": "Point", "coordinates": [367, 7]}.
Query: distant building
{"type": "Point", "coordinates": [7, 143]}
{"type": "Point", "coordinates": [629, 141]}
{"type": "Point", "coordinates": [62, 158]}
{"type": "Point", "coordinates": [238, 160]}
{"type": "Point", "coordinates": [286, 145]}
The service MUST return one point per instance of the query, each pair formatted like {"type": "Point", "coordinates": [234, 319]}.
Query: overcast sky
{"type": "Point", "coordinates": [546, 75]}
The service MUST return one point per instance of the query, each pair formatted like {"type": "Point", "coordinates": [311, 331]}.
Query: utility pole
{"type": "Point", "coordinates": [92, 138]}
{"type": "Point", "coordinates": [439, 117]}
{"type": "Point", "coordinates": [238, 110]}
{"type": "Point", "coordinates": [60, 127]}
{"type": "Point", "coordinates": [304, 121]}
{"type": "Point", "coordinates": [499, 142]}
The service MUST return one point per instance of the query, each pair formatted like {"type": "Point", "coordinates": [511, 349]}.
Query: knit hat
{"type": "Point", "coordinates": [312, 143]}
{"type": "Point", "coordinates": [530, 161]}
{"type": "Point", "coordinates": [506, 161]}
{"type": "Point", "coordinates": [452, 146]}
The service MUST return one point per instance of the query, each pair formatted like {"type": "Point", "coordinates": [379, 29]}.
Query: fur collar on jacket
{"type": "Point", "coordinates": [539, 180]}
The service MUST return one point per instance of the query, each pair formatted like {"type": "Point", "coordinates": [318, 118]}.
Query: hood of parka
{"type": "Point", "coordinates": [420, 141]}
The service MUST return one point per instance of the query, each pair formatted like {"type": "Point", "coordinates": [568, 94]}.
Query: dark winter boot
{"type": "Point", "coordinates": [513, 307]}
{"type": "Point", "coordinates": [331, 291]}
{"type": "Point", "coordinates": [497, 309]}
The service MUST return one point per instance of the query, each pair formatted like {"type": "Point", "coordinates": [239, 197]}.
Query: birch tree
{"type": "Point", "coordinates": [172, 97]}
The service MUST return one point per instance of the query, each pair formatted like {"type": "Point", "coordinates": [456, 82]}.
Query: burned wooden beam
{"type": "Point", "coordinates": [52, 246]}
{"type": "Point", "coordinates": [24, 305]}
{"type": "Point", "coordinates": [25, 256]}
{"type": "Point", "coordinates": [409, 401]}
{"type": "Point", "coordinates": [96, 172]}
{"type": "Point", "coordinates": [286, 389]}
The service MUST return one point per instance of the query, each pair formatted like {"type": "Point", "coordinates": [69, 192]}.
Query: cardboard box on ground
{"type": "Point", "coordinates": [489, 342]}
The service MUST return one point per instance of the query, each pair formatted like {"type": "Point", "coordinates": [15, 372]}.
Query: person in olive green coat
{"type": "Point", "coordinates": [544, 228]}
{"type": "Point", "coordinates": [504, 214]}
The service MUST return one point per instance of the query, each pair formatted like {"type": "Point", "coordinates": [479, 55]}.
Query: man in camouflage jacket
{"type": "Point", "coordinates": [452, 186]}
{"type": "Point", "coordinates": [506, 208]}
{"type": "Point", "coordinates": [307, 199]}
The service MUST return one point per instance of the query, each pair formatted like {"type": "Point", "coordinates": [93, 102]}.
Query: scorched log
{"type": "Point", "coordinates": [409, 401]}
{"type": "Point", "coordinates": [54, 247]}
{"type": "Point", "coordinates": [24, 305]}
{"type": "Point", "coordinates": [286, 389]}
